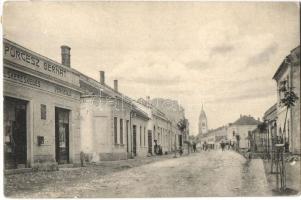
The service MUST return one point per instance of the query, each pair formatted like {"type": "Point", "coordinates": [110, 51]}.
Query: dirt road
{"type": "Point", "coordinates": [213, 173]}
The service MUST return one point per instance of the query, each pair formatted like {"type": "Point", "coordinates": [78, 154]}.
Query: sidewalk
{"type": "Point", "coordinates": [293, 178]}
{"type": "Point", "coordinates": [35, 181]}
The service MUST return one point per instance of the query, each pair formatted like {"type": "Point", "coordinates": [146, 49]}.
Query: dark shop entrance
{"type": "Point", "coordinates": [15, 130]}
{"type": "Point", "coordinates": [62, 135]}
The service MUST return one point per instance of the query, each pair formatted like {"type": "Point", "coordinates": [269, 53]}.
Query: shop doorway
{"type": "Point", "coordinates": [15, 130]}
{"type": "Point", "coordinates": [180, 141]}
{"type": "Point", "coordinates": [61, 135]}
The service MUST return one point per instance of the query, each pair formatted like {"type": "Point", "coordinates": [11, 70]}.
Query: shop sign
{"type": "Point", "coordinates": [21, 78]}
{"type": "Point", "coordinates": [29, 80]}
{"type": "Point", "coordinates": [63, 91]}
{"type": "Point", "coordinates": [34, 61]}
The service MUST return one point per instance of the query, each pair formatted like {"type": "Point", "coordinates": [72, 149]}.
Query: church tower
{"type": "Point", "coordinates": [203, 125]}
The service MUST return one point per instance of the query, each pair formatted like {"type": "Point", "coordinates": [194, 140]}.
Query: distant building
{"type": "Point", "coordinates": [239, 130]}
{"type": "Point", "coordinates": [203, 124]}
{"type": "Point", "coordinates": [270, 119]}
{"type": "Point", "coordinates": [176, 114]}
{"type": "Point", "coordinates": [258, 142]}
{"type": "Point", "coordinates": [159, 128]}
{"type": "Point", "coordinates": [209, 139]}
{"type": "Point", "coordinates": [215, 136]}
{"type": "Point", "coordinates": [288, 75]}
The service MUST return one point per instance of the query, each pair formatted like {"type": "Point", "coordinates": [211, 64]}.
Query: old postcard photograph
{"type": "Point", "coordinates": [151, 99]}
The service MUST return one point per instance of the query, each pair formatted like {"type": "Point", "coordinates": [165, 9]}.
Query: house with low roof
{"type": "Point", "coordinates": [239, 130]}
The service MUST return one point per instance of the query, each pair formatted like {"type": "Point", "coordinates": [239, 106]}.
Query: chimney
{"type": "Point", "coordinates": [65, 53]}
{"type": "Point", "coordinates": [116, 85]}
{"type": "Point", "coordinates": [102, 77]}
{"type": "Point", "coordinates": [148, 100]}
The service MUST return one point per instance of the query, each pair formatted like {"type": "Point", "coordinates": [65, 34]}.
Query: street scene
{"type": "Point", "coordinates": [212, 173]}
{"type": "Point", "coordinates": [151, 99]}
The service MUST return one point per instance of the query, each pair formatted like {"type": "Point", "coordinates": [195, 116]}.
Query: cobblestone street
{"type": "Point", "coordinates": [213, 173]}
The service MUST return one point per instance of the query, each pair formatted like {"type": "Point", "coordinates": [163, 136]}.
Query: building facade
{"type": "Point", "coordinates": [159, 132]}
{"type": "Point", "coordinates": [176, 114]}
{"type": "Point", "coordinates": [54, 114]}
{"type": "Point", "coordinates": [238, 132]}
{"type": "Point", "coordinates": [288, 76]}
{"type": "Point", "coordinates": [270, 119]}
{"type": "Point", "coordinates": [214, 137]}
{"type": "Point", "coordinates": [140, 138]}
{"type": "Point", "coordinates": [41, 108]}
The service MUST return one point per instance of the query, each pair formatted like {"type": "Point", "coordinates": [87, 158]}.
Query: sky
{"type": "Point", "coordinates": [223, 55]}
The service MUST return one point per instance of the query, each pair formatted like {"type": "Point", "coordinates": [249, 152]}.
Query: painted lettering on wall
{"type": "Point", "coordinates": [22, 78]}
{"type": "Point", "coordinates": [28, 58]}
{"type": "Point", "coordinates": [61, 90]}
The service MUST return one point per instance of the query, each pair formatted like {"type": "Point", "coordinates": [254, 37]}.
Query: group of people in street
{"type": "Point", "coordinates": [227, 145]}
{"type": "Point", "coordinates": [193, 147]}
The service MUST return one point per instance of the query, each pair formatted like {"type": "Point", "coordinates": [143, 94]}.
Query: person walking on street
{"type": "Point", "coordinates": [194, 147]}
{"type": "Point", "coordinates": [222, 145]}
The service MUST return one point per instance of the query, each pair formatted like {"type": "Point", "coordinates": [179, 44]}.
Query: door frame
{"type": "Point", "coordinates": [56, 145]}
{"type": "Point", "coordinates": [29, 125]}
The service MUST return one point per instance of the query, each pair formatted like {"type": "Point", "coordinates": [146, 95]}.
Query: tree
{"type": "Point", "coordinates": [289, 98]}
{"type": "Point", "coordinates": [182, 125]}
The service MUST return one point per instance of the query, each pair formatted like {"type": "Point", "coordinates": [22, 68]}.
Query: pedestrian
{"type": "Point", "coordinates": [194, 147]}
{"type": "Point", "coordinates": [156, 150]}
{"type": "Point", "coordinates": [205, 146]}
{"type": "Point", "coordinates": [222, 145]}
{"type": "Point", "coordinates": [181, 151]}
{"type": "Point", "coordinates": [82, 159]}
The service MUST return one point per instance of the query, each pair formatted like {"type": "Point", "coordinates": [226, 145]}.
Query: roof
{"type": "Point", "coordinates": [217, 129]}
{"type": "Point", "coordinates": [140, 112]}
{"type": "Point", "coordinates": [105, 88]}
{"type": "Point", "coordinates": [202, 114]}
{"type": "Point", "coordinates": [246, 120]}
{"type": "Point", "coordinates": [155, 111]}
{"type": "Point", "coordinates": [286, 61]}
{"type": "Point", "coordinates": [271, 111]}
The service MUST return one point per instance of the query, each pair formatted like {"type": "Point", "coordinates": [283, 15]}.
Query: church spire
{"type": "Point", "coordinates": [203, 124]}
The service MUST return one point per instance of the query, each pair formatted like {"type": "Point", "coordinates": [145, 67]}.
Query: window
{"type": "Point", "coordinates": [43, 111]}
{"type": "Point", "coordinates": [121, 131]}
{"type": "Point", "coordinates": [115, 130]}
